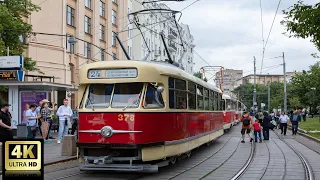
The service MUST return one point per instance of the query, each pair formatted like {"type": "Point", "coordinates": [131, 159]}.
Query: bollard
{"type": "Point", "coordinates": [69, 147]}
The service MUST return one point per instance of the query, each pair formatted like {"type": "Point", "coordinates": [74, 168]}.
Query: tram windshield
{"type": "Point", "coordinates": [126, 95]}
{"type": "Point", "coordinates": [99, 95]}
{"type": "Point", "coordinates": [153, 98]}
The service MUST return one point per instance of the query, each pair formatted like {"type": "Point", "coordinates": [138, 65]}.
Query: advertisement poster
{"type": "Point", "coordinates": [30, 98]}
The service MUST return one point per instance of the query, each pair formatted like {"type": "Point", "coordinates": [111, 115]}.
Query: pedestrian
{"type": "Point", "coordinates": [32, 121]}
{"type": "Point", "coordinates": [273, 124]}
{"type": "Point", "coordinates": [38, 109]}
{"type": "Point", "coordinates": [52, 107]}
{"type": "Point", "coordinates": [65, 113]}
{"type": "Point", "coordinates": [45, 119]}
{"type": "Point", "coordinates": [266, 124]}
{"type": "Point", "coordinates": [304, 114]}
{"type": "Point", "coordinates": [5, 123]}
{"type": "Point", "coordinates": [284, 123]}
{"type": "Point", "coordinates": [24, 120]}
{"type": "Point", "coordinates": [246, 120]}
{"type": "Point", "coordinates": [296, 118]}
{"type": "Point", "coordinates": [257, 131]}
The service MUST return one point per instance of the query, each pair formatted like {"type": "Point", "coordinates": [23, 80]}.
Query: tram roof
{"type": "Point", "coordinates": [144, 69]}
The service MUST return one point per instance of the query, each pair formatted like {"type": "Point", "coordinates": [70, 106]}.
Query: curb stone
{"type": "Point", "coordinates": [304, 134]}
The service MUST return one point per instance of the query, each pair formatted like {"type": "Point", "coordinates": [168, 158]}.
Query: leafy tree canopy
{"type": "Point", "coordinates": [302, 21]}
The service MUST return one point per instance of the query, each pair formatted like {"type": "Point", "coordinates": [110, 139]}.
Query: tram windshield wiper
{"type": "Point", "coordinates": [133, 104]}
{"type": "Point", "coordinates": [91, 103]}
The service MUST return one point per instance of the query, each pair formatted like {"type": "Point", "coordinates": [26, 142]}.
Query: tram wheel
{"type": "Point", "coordinates": [173, 160]}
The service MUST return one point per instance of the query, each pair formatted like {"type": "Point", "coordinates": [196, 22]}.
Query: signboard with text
{"type": "Point", "coordinates": [11, 62]}
{"type": "Point", "coordinates": [13, 75]}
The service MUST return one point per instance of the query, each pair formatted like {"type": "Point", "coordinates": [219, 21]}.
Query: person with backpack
{"type": "Point", "coordinates": [296, 118]}
{"type": "Point", "coordinates": [246, 120]}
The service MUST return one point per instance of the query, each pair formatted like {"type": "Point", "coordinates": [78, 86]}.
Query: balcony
{"type": "Point", "coordinates": [172, 33]}
{"type": "Point", "coordinates": [157, 53]}
{"type": "Point", "coordinates": [172, 46]}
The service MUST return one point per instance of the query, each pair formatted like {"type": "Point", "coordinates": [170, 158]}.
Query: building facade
{"type": "Point", "coordinates": [264, 79]}
{"type": "Point", "coordinates": [93, 22]}
{"type": "Point", "coordinates": [152, 24]}
{"type": "Point", "coordinates": [227, 79]}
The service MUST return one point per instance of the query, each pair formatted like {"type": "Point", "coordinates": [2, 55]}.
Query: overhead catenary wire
{"type": "Point", "coordinates": [265, 46]}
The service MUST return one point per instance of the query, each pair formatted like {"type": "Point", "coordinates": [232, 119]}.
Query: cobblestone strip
{"type": "Point", "coordinates": [233, 164]}
{"type": "Point", "coordinates": [312, 157]}
{"type": "Point", "coordinates": [294, 167]}
{"type": "Point", "coordinates": [259, 163]}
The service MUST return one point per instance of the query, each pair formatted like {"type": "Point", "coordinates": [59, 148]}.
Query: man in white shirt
{"type": "Point", "coordinates": [64, 112]}
{"type": "Point", "coordinates": [283, 123]}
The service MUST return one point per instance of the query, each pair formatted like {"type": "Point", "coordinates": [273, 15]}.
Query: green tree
{"type": "Point", "coordinates": [12, 28]}
{"type": "Point", "coordinates": [198, 74]}
{"type": "Point", "coordinates": [302, 21]}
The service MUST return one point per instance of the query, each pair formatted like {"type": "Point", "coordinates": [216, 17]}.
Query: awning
{"type": "Point", "coordinates": [39, 85]}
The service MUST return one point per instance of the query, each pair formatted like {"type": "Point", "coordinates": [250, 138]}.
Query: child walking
{"type": "Point", "coordinates": [257, 130]}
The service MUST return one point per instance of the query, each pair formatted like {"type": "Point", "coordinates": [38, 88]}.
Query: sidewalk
{"type": "Point", "coordinates": [52, 152]}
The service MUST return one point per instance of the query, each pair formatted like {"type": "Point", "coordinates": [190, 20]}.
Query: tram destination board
{"type": "Point", "coordinates": [9, 75]}
{"type": "Point", "coordinates": [22, 159]}
{"type": "Point", "coordinates": [112, 73]}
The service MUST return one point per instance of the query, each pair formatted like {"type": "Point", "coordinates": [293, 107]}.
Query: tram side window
{"type": "Point", "coordinates": [127, 95]}
{"type": "Point", "coordinates": [177, 94]}
{"type": "Point", "coordinates": [206, 99]}
{"type": "Point", "coordinates": [192, 96]}
{"type": "Point", "coordinates": [99, 96]}
{"type": "Point", "coordinates": [153, 98]}
{"type": "Point", "coordinates": [216, 102]}
{"type": "Point", "coordinates": [211, 101]}
{"type": "Point", "coordinates": [228, 104]}
{"type": "Point", "coordinates": [221, 102]}
{"type": "Point", "coordinates": [200, 97]}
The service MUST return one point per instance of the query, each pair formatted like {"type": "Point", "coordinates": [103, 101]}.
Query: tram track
{"type": "Point", "coordinates": [285, 161]}
{"type": "Point", "coordinates": [308, 170]}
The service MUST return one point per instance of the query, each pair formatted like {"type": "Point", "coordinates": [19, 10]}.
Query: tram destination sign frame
{"type": "Point", "coordinates": [112, 73]}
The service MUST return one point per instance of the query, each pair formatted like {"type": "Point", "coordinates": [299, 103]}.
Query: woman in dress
{"type": "Point", "coordinates": [45, 120]}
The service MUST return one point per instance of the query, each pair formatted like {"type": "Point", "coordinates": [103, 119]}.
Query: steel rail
{"type": "Point", "coordinates": [249, 161]}
{"type": "Point", "coordinates": [308, 170]}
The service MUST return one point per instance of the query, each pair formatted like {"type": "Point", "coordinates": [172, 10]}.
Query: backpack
{"type": "Point", "coordinates": [246, 121]}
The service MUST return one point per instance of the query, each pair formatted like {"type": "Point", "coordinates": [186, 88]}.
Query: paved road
{"type": "Point", "coordinates": [221, 160]}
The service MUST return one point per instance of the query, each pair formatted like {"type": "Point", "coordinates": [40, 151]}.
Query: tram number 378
{"type": "Point", "coordinates": [125, 117]}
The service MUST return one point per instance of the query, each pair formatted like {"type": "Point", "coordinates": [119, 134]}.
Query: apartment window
{"type": "Point", "coordinates": [87, 24]}
{"type": "Point", "coordinates": [102, 55]}
{"type": "Point", "coordinates": [87, 50]}
{"type": "Point", "coordinates": [113, 39]}
{"type": "Point", "coordinates": [70, 48]}
{"type": "Point", "coordinates": [70, 16]}
{"type": "Point", "coordinates": [88, 3]}
{"type": "Point", "coordinates": [114, 56]}
{"type": "Point", "coordinates": [102, 9]}
{"type": "Point", "coordinates": [114, 17]}
{"type": "Point", "coordinates": [102, 35]}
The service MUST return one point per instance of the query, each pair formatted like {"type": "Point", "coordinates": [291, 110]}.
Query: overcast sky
{"type": "Point", "coordinates": [229, 33]}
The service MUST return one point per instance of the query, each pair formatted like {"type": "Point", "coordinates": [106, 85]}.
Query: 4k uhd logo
{"type": "Point", "coordinates": [23, 155]}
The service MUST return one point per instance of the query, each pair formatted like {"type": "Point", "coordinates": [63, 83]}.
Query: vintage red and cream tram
{"type": "Point", "coordinates": [132, 114]}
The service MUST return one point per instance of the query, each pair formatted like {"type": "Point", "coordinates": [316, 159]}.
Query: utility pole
{"type": "Point", "coordinates": [284, 85]}
{"type": "Point", "coordinates": [8, 51]}
{"type": "Point", "coordinates": [269, 97]}
{"type": "Point", "coordinates": [254, 85]}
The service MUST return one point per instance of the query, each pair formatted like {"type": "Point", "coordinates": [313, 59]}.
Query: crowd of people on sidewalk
{"type": "Point", "coordinates": [264, 122]}
{"type": "Point", "coordinates": [38, 119]}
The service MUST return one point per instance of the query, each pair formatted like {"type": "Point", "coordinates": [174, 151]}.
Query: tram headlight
{"type": "Point", "coordinates": [106, 131]}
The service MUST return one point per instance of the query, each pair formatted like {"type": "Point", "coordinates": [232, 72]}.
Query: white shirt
{"type": "Point", "coordinates": [284, 118]}
{"type": "Point", "coordinates": [64, 110]}
{"type": "Point", "coordinates": [31, 122]}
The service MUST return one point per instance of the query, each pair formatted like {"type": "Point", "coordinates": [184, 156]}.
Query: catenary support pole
{"type": "Point", "coordinates": [284, 85]}
{"type": "Point", "coordinates": [254, 85]}
{"type": "Point", "coordinates": [269, 97]}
